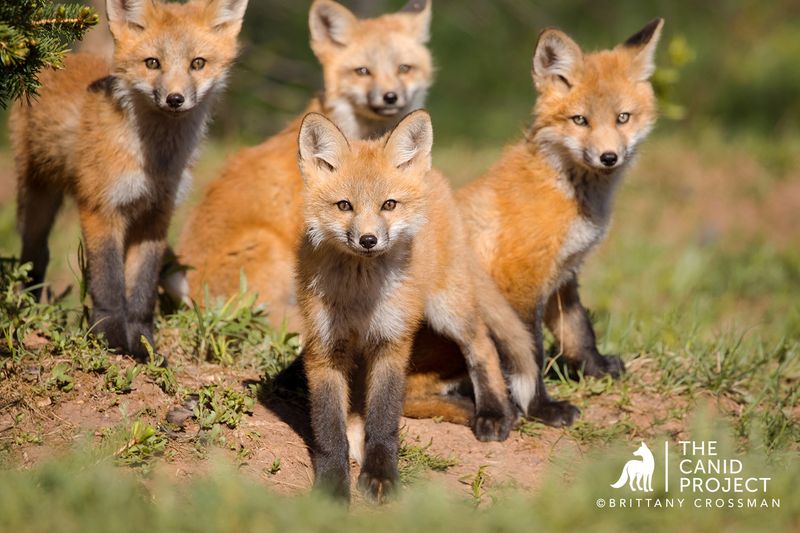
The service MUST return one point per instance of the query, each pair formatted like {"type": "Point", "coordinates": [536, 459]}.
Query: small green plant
{"type": "Point", "coordinates": [157, 372]}
{"type": "Point", "coordinates": [220, 331]}
{"type": "Point", "coordinates": [144, 443]}
{"type": "Point", "coordinates": [282, 347]}
{"type": "Point", "coordinates": [587, 432]}
{"type": "Point", "coordinates": [275, 467]}
{"type": "Point", "coordinates": [477, 484]}
{"type": "Point", "coordinates": [21, 314]}
{"type": "Point", "coordinates": [60, 377]}
{"type": "Point", "coordinates": [414, 459]}
{"type": "Point", "coordinates": [119, 380]}
{"type": "Point", "coordinates": [218, 404]}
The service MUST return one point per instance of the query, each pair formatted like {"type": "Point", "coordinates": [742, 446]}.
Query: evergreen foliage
{"type": "Point", "coordinates": [35, 34]}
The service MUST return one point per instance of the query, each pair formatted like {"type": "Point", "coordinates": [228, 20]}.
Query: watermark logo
{"type": "Point", "coordinates": [701, 477]}
{"type": "Point", "coordinates": [638, 473]}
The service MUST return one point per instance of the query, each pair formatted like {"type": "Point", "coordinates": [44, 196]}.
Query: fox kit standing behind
{"type": "Point", "coordinates": [383, 248]}
{"type": "Point", "coordinates": [536, 214]}
{"type": "Point", "coordinates": [119, 141]}
{"type": "Point", "coordinates": [375, 72]}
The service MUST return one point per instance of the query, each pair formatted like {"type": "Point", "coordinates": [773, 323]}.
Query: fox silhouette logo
{"type": "Point", "coordinates": [638, 474]}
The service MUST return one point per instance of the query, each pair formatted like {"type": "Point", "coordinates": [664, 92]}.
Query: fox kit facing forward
{"type": "Point", "coordinates": [538, 211]}
{"type": "Point", "coordinates": [119, 140]}
{"type": "Point", "coordinates": [383, 249]}
{"type": "Point", "coordinates": [375, 72]}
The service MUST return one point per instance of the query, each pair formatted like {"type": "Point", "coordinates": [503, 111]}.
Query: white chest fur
{"type": "Point", "coordinates": [359, 300]}
{"type": "Point", "coordinates": [593, 194]}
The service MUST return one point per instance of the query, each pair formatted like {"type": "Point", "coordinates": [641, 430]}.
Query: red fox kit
{"type": "Point", "coordinates": [383, 249]}
{"type": "Point", "coordinates": [119, 140]}
{"type": "Point", "coordinates": [375, 72]}
{"type": "Point", "coordinates": [537, 212]}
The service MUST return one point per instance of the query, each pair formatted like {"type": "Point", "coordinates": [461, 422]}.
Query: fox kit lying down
{"type": "Point", "coordinates": [383, 249]}
{"type": "Point", "coordinates": [536, 213]}
{"type": "Point", "coordinates": [375, 72]}
{"type": "Point", "coordinates": [119, 140]}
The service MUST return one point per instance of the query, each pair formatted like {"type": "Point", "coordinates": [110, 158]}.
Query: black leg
{"type": "Point", "coordinates": [569, 322]}
{"type": "Point", "coordinates": [379, 476]}
{"type": "Point", "coordinates": [329, 401]}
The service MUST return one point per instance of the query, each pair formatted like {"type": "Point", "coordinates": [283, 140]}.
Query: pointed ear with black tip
{"type": "Point", "coordinates": [420, 11]}
{"type": "Point", "coordinates": [330, 23]}
{"type": "Point", "coordinates": [643, 45]}
{"type": "Point", "coordinates": [127, 14]}
{"type": "Point", "coordinates": [227, 15]}
{"type": "Point", "coordinates": [322, 145]}
{"type": "Point", "coordinates": [411, 142]}
{"type": "Point", "coordinates": [557, 61]}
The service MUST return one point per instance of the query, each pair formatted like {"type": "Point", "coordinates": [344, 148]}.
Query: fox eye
{"type": "Point", "coordinates": [389, 205]}
{"type": "Point", "coordinates": [362, 71]}
{"type": "Point", "coordinates": [404, 69]}
{"type": "Point", "coordinates": [622, 118]}
{"type": "Point", "coordinates": [152, 63]}
{"type": "Point", "coordinates": [580, 120]}
{"type": "Point", "coordinates": [198, 63]}
{"type": "Point", "coordinates": [344, 205]}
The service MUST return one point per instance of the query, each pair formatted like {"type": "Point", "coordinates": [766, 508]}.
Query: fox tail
{"type": "Point", "coordinates": [623, 478]}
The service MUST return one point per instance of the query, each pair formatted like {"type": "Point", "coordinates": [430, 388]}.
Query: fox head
{"type": "Point", "coordinates": [379, 67]}
{"type": "Point", "coordinates": [365, 197]}
{"type": "Point", "coordinates": [642, 451]}
{"type": "Point", "coordinates": [174, 55]}
{"type": "Point", "coordinates": [594, 109]}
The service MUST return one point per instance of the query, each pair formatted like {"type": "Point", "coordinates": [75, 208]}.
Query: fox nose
{"type": "Point", "coordinates": [175, 100]}
{"type": "Point", "coordinates": [609, 159]}
{"type": "Point", "coordinates": [390, 98]}
{"type": "Point", "coordinates": [368, 241]}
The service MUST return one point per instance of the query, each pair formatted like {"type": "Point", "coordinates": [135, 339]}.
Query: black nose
{"type": "Point", "coordinates": [175, 100]}
{"type": "Point", "coordinates": [390, 98]}
{"type": "Point", "coordinates": [609, 159]}
{"type": "Point", "coordinates": [368, 241]}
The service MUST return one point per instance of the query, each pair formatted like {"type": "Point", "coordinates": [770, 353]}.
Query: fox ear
{"type": "Point", "coordinates": [127, 13]}
{"type": "Point", "coordinates": [411, 141]}
{"type": "Point", "coordinates": [227, 14]}
{"type": "Point", "coordinates": [643, 45]}
{"type": "Point", "coordinates": [420, 13]}
{"type": "Point", "coordinates": [330, 22]}
{"type": "Point", "coordinates": [321, 144]}
{"type": "Point", "coordinates": [557, 59]}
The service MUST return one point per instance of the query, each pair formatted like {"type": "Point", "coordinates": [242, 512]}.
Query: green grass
{"type": "Point", "coordinates": [84, 492]}
{"type": "Point", "coordinates": [415, 459]}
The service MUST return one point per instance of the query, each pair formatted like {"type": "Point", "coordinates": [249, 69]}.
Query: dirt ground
{"type": "Point", "coordinates": [278, 430]}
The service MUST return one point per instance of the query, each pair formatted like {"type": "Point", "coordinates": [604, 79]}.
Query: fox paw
{"type": "Point", "coordinates": [377, 487]}
{"type": "Point", "coordinates": [110, 326]}
{"type": "Point", "coordinates": [599, 366]}
{"type": "Point", "coordinates": [136, 347]}
{"type": "Point", "coordinates": [492, 425]}
{"type": "Point", "coordinates": [554, 413]}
